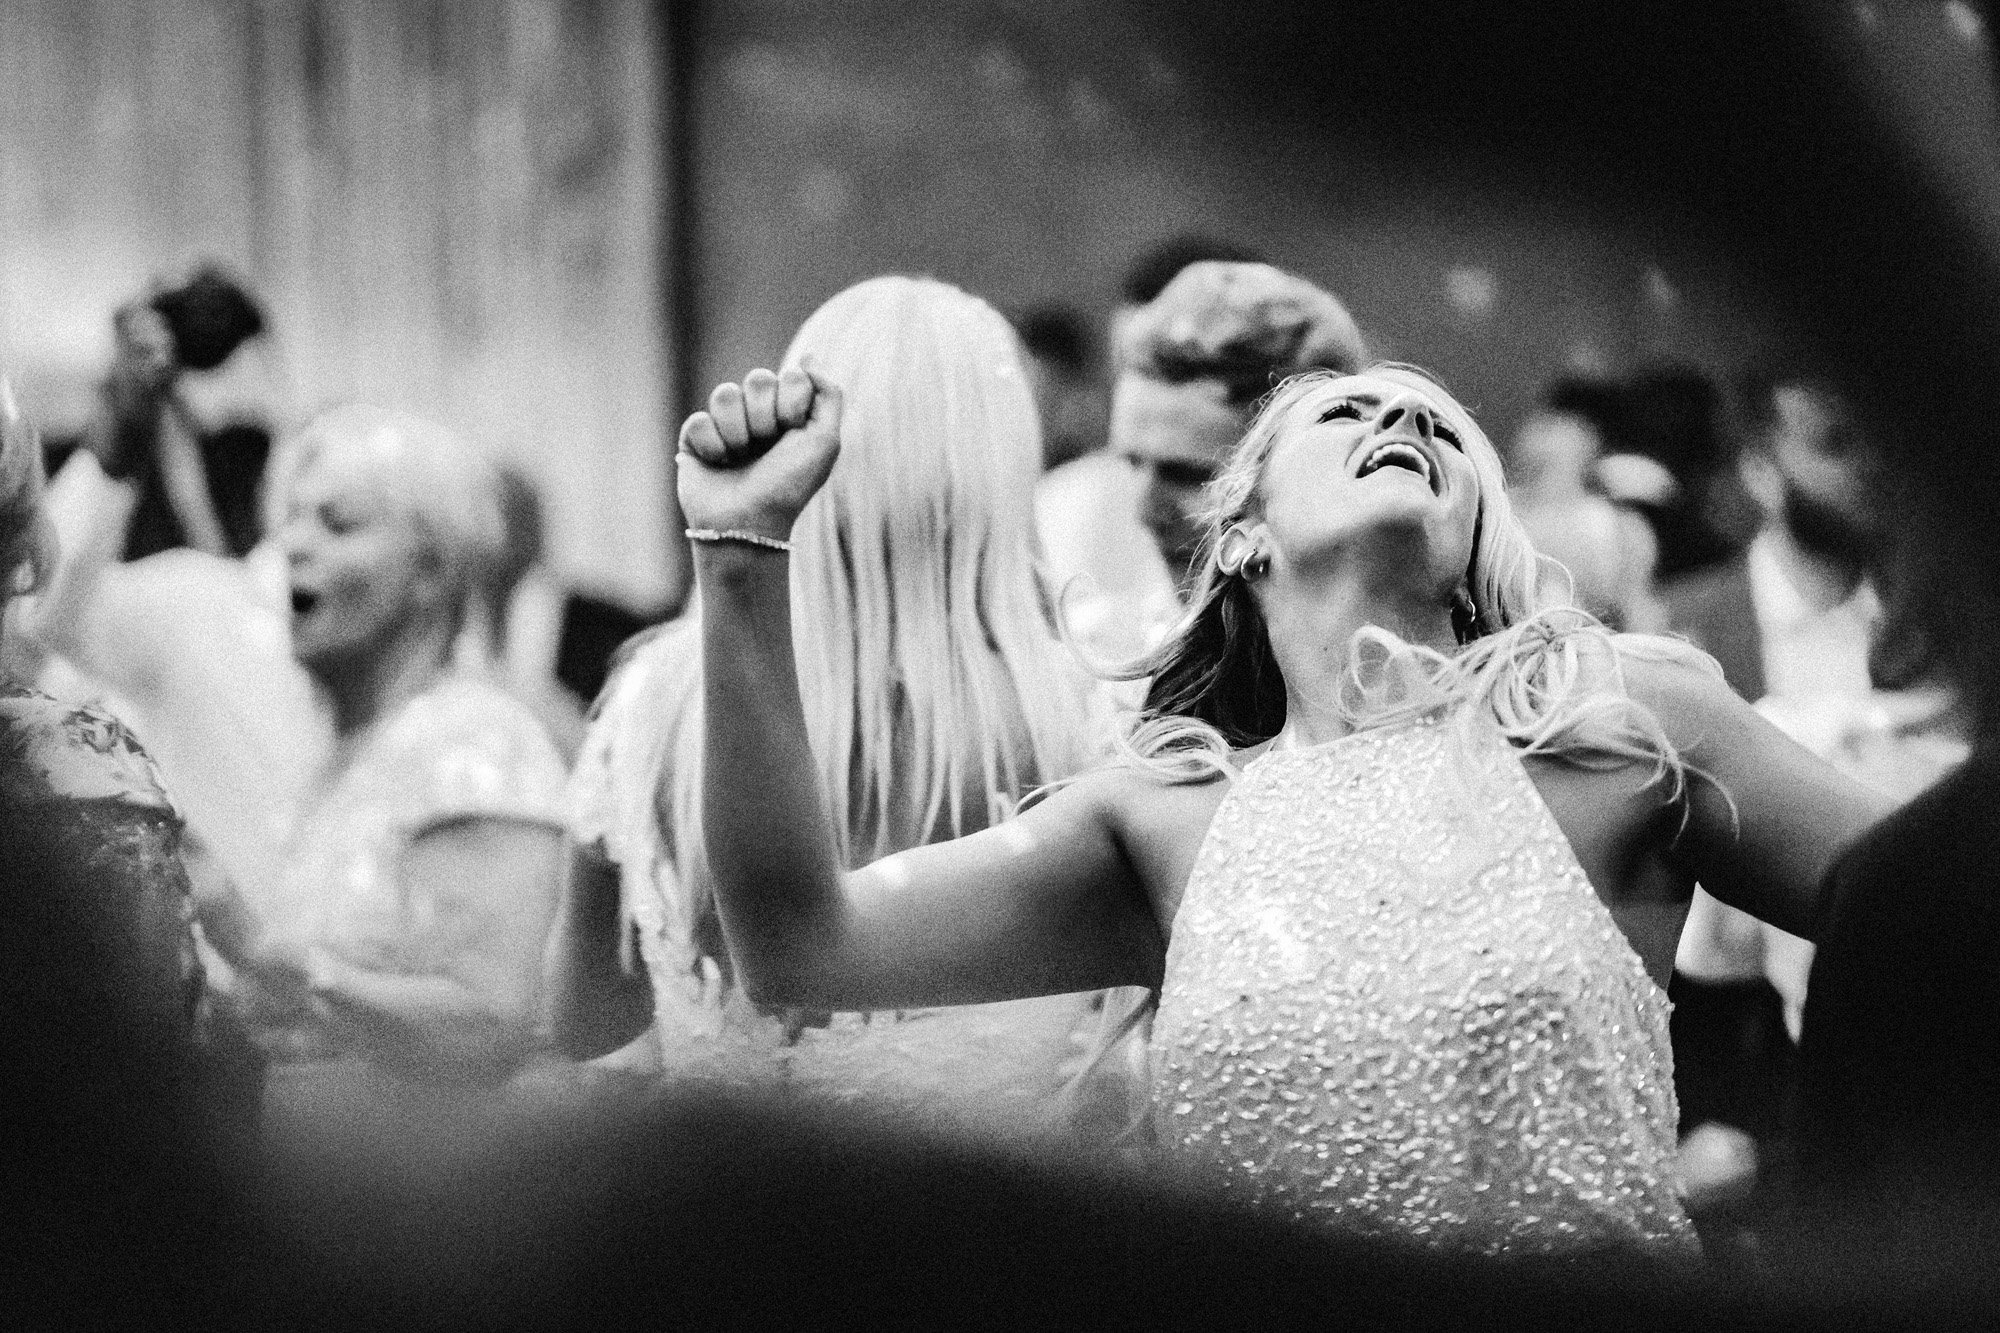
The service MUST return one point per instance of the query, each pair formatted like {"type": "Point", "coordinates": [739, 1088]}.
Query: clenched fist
{"type": "Point", "coordinates": [761, 450]}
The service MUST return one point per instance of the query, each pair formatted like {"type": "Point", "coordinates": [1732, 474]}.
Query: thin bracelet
{"type": "Point", "coordinates": [737, 535]}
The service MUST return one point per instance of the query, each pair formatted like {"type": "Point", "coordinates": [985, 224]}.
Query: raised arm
{"type": "Point", "coordinates": [1045, 904]}
{"type": "Point", "coordinates": [1766, 817]}
{"type": "Point", "coordinates": [184, 477]}
{"type": "Point", "coordinates": [89, 511]}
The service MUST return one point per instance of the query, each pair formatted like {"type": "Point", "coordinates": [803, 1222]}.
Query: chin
{"type": "Point", "coordinates": [1398, 519]}
{"type": "Point", "coordinates": [1406, 537]}
{"type": "Point", "coordinates": [319, 657]}
{"type": "Point", "coordinates": [312, 660]}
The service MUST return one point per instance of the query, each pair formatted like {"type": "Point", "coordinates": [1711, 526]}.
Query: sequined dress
{"type": "Point", "coordinates": [1394, 1005]}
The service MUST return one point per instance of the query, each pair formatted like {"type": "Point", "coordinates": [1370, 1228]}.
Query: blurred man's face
{"type": "Point", "coordinates": [1179, 441]}
{"type": "Point", "coordinates": [1171, 502]}
{"type": "Point", "coordinates": [360, 569]}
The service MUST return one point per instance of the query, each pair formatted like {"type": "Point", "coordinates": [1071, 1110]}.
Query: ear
{"type": "Point", "coordinates": [428, 584]}
{"type": "Point", "coordinates": [1236, 549]}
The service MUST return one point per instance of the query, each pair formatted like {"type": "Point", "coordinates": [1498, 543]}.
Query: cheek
{"type": "Point", "coordinates": [1459, 546]}
{"type": "Point", "coordinates": [368, 572]}
{"type": "Point", "coordinates": [1297, 489]}
{"type": "Point", "coordinates": [1459, 523]}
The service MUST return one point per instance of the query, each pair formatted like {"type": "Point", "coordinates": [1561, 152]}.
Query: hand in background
{"type": "Point", "coordinates": [144, 358]}
{"type": "Point", "coordinates": [135, 389]}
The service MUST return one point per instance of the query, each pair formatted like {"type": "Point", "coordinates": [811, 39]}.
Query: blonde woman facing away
{"type": "Point", "coordinates": [1404, 851]}
{"type": "Point", "coordinates": [936, 695]}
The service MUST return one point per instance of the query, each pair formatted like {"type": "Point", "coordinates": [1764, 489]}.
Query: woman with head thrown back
{"type": "Point", "coordinates": [936, 695]}
{"type": "Point", "coordinates": [395, 963]}
{"type": "Point", "coordinates": [1404, 851]}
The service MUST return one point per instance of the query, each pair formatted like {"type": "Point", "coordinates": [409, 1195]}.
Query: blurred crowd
{"type": "Point", "coordinates": [341, 850]}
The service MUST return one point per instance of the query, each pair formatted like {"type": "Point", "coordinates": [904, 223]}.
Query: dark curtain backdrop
{"type": "Point", "coordinates": [1029, 152]}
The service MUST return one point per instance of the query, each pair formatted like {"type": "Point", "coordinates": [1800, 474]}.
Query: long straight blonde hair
{"type": "Point", "coordinates": [937, 691]}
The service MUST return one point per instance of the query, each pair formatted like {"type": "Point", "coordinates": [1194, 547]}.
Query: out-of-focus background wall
{"type": "Point", "coordinates": [448, 206]}
{"type": "Point", "coordinates": [551, 221]}
{"type": "Point", "coordinates": [1028, 152]}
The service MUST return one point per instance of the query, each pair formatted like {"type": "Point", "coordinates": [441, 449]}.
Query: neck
{"type": "Point", "coordinates": [1312, 626]}
{"type": "Point", "coordinates": [370, 686]}
{"type": "Point", "coordinates": [1821, 583]}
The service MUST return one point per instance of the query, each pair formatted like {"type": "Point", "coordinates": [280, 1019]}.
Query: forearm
{"type": "Point", "coordinates": [185, 477]}
{"type": "Point", "coordinates": [770, 844]}
{"type": "Point", "coordinates": [596, 1002]}
{"type": "Point", "coordinates": [427, 1026]}
{"type": "Point", "coordinates": [89, 512]}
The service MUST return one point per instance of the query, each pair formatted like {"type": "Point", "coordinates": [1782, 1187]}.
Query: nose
{"type": "Point", "coordinates": [1410, 412]}
{"type": "Point", "coordinates": [295, 541]}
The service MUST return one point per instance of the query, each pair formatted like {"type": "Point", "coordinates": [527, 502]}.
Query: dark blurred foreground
{"type": "Point", "coordinates": [716, 1211]}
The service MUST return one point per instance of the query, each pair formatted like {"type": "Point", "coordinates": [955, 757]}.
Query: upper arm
{"type": "Point", "coordinates": [1766, 818]}
{"type": "Point", "coordinates": [1046, 903]}
{"type": "Point", "coordinates": [486, 890]}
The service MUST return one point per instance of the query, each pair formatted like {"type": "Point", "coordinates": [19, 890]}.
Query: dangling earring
{"type": "Point", "coordinates": [1464, 617]}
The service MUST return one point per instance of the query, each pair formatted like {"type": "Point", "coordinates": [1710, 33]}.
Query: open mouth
{"type": "Point", "coordinates": [1397, 454]}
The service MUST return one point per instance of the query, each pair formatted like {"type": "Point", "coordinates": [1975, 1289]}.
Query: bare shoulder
{"type": "Point", "coordinates": [1683, 688]}
{"type": "Point", "coordinates": [1717, 732]}
{"type": "Point", "coordinates": [1126, 795]}
{"type": "Point", "coordinates": [1157, 825]}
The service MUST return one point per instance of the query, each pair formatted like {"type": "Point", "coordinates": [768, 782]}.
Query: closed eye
{"type": "Point", "coordinates": [338, 520]}
{"type": "Point", "coordinates": [1343, 410]}
{"type": "Point", "coordinates": [1448, 435]}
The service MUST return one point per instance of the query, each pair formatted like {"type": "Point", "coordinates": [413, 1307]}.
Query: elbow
{"type": "Point", "coordinates": [792, 963]}
{"type": "Point", "coordinates": [783, 963]}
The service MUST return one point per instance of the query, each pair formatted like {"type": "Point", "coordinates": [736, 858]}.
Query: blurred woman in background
{"type": "Point", "coordinates": [395, 964]}
{"type": "Point", "coordinates": [938, 696]}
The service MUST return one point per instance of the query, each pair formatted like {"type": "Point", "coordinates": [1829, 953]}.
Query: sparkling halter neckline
{"type": "Point", "coordinates": [1394, 1005]}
